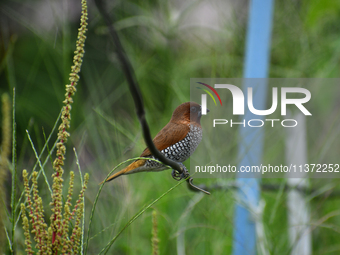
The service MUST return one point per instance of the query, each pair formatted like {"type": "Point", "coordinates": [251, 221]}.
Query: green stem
{"type": "Point", "coordinates": [107, 247]}
{"type": "Point", "coordinates": [14, 172]}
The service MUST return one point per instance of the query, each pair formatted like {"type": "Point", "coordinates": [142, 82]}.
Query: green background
{"type": "Point", "coordinates": [166, 50]}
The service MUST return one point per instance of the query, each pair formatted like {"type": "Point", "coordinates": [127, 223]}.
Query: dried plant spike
{"type": "Point", "coordinates": [154, 239]}
{"type": "Point", "coordinates": [39, 225]}
{"type": "Point", "coordinates": [76, 233]}
{"type": "Point", "coordinates": [6, 129]}
{"type": "Point", "coordinates": [81, 195]}
{"type": "Point", "coordinates": [25, 224]}
{"type": "Point", "coordinates": [58, 225]}
{"type": "Point", "coordinates": [5, 153]}
{"type": "Point", "coordinates": [55, 238]}
{"type": "Point", "coordinates": [69, 196]}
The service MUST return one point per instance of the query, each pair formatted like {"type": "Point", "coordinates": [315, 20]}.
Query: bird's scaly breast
{"type": "Point", "coordinates": [183, 149]}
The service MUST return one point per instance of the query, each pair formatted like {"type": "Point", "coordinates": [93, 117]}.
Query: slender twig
{"type": "Point", "coordinates": [10, 244]}
{"type": "Point", "coordinates": [40, 156]}
{"type": "Point", "coordinates": [83, 218]}
{"type": "Point", "coordinates": [134, 90]}
{"type": "Point", "coordinates": [137, 96]}
{"type": "Point", "coordinates": [14, 171]}
{"type": "Point", "coordinates": [39, 162]}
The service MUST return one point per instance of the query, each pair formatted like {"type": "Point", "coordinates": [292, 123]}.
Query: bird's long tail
{"type": "Point", "coordinates": [127, 170]}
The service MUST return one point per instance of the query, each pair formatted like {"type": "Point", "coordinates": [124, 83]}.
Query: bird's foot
{"type": "Point", "coordinates": [176, 175]}
{"type": "Point", "coordinates": [179, 176]}
{"type": "Point", "coordinates": [184, 175]}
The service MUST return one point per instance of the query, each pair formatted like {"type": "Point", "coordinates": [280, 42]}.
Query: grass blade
{"type": "Point", "coordinates": [14, 171]}
{"type": "Point", "coordinates": [42, 151]}
{"type": "Point", "coordinates": [98, 194]}
{"type": "Point", "coordinates": [107, 247]}
{"type": "Point", "coordinates": [83, 220]}
{"type": "Point", "coordinates": [39, 162]}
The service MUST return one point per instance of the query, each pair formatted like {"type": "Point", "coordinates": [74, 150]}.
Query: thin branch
{"type": "Point", "coordinates": [14, 170]}
{"type": "Point", "coordinates": [137, 97]}
{"type": "Point", "coordinates": [134, 89]}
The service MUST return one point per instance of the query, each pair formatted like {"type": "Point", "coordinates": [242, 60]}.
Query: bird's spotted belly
{"type": "Point", "coordinates": [181, 150]}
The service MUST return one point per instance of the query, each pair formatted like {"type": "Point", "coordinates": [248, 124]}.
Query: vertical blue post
{"type": "Point", "coordinates": [251, 143]}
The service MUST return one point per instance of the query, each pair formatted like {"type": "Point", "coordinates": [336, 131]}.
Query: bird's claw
{"type": "Point", "coordinates": [179, 176]}
{"type": "Point", "coordinates": [176, 175]}
{"type": "Point", "coordinates": [184, 175]}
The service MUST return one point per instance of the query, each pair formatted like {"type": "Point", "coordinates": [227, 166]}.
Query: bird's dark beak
{"type": "Point", "coordinates": [200, 112]}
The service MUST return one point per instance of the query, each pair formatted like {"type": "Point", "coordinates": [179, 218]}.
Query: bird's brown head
{"type": "Point", "coordinates": [187, 112]}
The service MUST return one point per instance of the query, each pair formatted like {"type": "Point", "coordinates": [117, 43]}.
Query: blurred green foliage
{"type": "Point", "coordinates": [166, 50]}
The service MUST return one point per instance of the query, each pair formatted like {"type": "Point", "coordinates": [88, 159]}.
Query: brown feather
{"type": "Point", "coordinates": [169, 135]}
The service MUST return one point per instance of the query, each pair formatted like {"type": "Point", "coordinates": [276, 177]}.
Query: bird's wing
{"type": "Point", "coordinates": [169, 135]}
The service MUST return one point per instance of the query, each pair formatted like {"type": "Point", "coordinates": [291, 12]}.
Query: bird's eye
{"type": "Point", "coordinates": [193, 109]}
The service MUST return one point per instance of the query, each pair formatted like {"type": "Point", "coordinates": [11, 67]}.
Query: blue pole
{"type": "Point", "coordinates": [251, 143]}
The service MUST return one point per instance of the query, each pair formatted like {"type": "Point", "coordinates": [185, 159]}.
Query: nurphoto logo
{"type": "Point", "coordinates": [238, 99]}
{"type": "Point", "coordinates": [267, 115]}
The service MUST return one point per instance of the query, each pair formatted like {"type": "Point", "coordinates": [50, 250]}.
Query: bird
{"type": "Point", "coordinates": [177, 140]}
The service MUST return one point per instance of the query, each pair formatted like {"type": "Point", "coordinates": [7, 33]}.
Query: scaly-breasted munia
{"type": "Point", "coordinates": [177, 141]}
